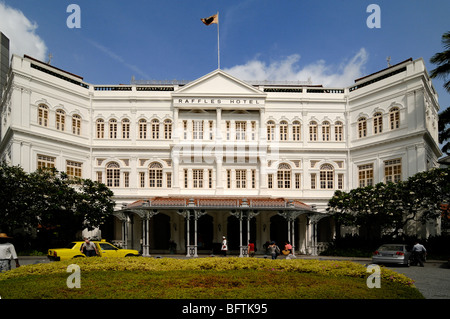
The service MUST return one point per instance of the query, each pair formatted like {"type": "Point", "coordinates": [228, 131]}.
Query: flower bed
{"type": "Point", "coordinates": [319, 267]}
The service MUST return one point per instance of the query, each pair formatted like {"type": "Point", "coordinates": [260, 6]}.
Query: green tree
{"type": "Point", "coordinates": [51, 200]}
{"type": "Point", "coordinates": [444, 130]}
{"type": "Point", "coordinates": [15, 197]}
{"type": "Point", "coordinates": [54, 198]}
{"type": "Point", "coordinates": [392, 206]}
{"type": "Point", "coordinates": [442, 59]}
{"type": "Point", "coordinates": [94, 203]}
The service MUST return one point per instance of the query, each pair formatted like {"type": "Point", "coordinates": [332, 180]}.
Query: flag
{"type": "Point", "coordinates": [211, 19]}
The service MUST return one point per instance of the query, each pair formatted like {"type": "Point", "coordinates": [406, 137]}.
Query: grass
{"type": "Point", "coordinates": [204, 278]}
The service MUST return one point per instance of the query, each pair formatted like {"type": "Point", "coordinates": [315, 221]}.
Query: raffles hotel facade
{"type": "Point", "coordinates": [218, 156]}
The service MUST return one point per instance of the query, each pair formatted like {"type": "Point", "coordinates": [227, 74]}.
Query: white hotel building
{"type": "Point", "coordinates": [237, 159]}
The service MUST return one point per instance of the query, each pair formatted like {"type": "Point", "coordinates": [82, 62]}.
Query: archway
{"type": "Point", "coordinates": [279, 231]}
{"type": "Point", "coordinates": [205, 232]}
{"type": "Point", "coordinates": [160, 232]}
{"type": "Point", "coordinates": [233, 236]}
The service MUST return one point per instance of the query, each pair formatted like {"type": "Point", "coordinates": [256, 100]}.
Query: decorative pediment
{"type": "Point", "coordinates": [218, 83]}
{"type": "Point", "coordinates": [218, 89]}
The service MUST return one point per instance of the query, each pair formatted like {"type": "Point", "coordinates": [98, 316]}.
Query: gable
{"type": "Point", "coordinates": [218, 83]}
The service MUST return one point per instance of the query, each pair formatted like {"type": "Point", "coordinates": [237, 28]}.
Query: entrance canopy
{"type": "Point", "coordinates": [192, 208]}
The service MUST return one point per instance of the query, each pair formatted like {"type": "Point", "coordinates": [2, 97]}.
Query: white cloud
{"type": "Point", "coordinates": [288, 69]}
{"type": "Point", "coordinates": [21, 33]}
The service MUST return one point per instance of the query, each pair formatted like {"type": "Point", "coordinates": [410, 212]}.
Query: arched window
{"type": "Point", "coordinates": [339, 131]}
{"type": "Point", "coordinates": [283, 131]}
{"type": "Point", "coordinates": [100, 128]}
{"type": "Point", "coordinates": [155, 174]}
{"type": "Point", "coordinates": [377, 123]}
{"type": "Point", "coordinates": [125, 128]}
{"type": "Point", "coordinates": [362, 127]}
{"type": "Point", "coordinates": [155, 129]}
{"type": "Point", "coordinates": [76, 124]}
{"type": "Point", "coordinates": [325, 131]}
{"type": "Point", "coordinates": [270, 130]}
{"type": "Point", "coordinates": [313, 131]}
{"type": "Point", "coordinates": [296, 131]}
{"type": "Point", "coordinates": [168, 129]}
{"type": "Point", "coordinates": [112, 174]}
{"type": "Point", "coordinates": [284, 176]}
{"type": "Point", "coordinates": [142, 128]}
{"type": "Point", "coordinates": [326, 176]}
{"type": "Point", "coordinates": [60, 120]}
{"type": "Point", "coordinates": [113, 128]}
{"type": "Point", "coordinates": [43, 115]}
{"type": "Point", "coordinates": [394, 118]}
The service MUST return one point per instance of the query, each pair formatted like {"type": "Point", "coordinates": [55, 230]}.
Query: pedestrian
{"type": "Point", "coordinates": [287, 248]}
{"type": "Point", "coordinates": [251, 249]}
{"type": "Point", "coordinates": [224, 246]}
{"type": "Point", "coordinates": [89, 248]}
{"type": "Point", "coordinates": [274, 250]}
{"type": "Point", "coordinates": [419, 253]}
{"type": "Point", "coordinates": [7, 252]}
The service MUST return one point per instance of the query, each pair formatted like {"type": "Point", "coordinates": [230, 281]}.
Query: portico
{"type": "Point", "coordinates": [253, 216]}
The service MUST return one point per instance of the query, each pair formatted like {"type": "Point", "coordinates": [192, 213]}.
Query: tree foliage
{"type": "Point", "coordinates": [442, 59]}
{"type": "Point", "coordinates": [391, 206]}
{"type": "Point", "coordinates": [48, 198]}
{"type": "Point", "coordinates": [444, 130]}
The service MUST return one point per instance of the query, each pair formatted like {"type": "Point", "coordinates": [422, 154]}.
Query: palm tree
{"type": "Point", "coordinates": [442, 59]}
{"type": "Point", "coordinates": [444, 130]}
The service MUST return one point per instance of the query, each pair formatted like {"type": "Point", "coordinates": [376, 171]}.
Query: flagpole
{"type": "Point", "coordinates": [218, 42]}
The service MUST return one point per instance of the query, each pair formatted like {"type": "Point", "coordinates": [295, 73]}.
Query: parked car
{"type": "Point", "coordinates": [104, 249]}
{"type": "Point", "coordinates": [392, 254]}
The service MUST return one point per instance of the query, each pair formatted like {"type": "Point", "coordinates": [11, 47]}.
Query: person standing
{"type": "Point", "coordinates": [274, 250]}
{"type": "Point", "coordinates": [251, 249]}
{"type": "Point", "coordinates": [7, 252]}
{"type": "Point", "coordinates": [224, 246]}
{"type": "Point", "coordinates": [89, 248]}
{"type": "Point", "coordinates": [419, 253]}
{"type": "Point", "coordinates": [288, 247]}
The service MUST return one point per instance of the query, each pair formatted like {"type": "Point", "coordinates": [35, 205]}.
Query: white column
{"type": "Point", "coordinates": [145, 237]}
{"type": "Point", "coordinates": [195, 234]}
{"type": "Point", "coordinates": [188, 234]}
{"type": "Point", "coordinates": [219, 175]}
{"type": "Point", "coordinates": [240, 234]}
{"type": "Point", "coordinates": [293, 237]}
{"type": "Point", "coordinates": [175, 125]}
{"type": "Point", "coordinates": [218, 124]}
{"type": "Point", "coordinates": [176, 171]}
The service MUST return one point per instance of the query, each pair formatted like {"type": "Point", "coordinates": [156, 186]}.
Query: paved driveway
{"type": "Point", "coordinates": [433, 280]}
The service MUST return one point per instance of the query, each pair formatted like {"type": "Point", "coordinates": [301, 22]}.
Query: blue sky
{"type": "Point", "coordinates": [327, 42]}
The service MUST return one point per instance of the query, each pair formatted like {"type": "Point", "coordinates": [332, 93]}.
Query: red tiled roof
{"type": "Point", "coordinates": [219, 202]}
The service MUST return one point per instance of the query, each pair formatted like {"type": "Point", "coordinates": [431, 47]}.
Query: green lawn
{"type": "Point", "coordinates": [204, 278]}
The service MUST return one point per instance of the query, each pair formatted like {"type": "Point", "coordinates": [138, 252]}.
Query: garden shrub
{"type": "Point", "coordinates": [320, 267]}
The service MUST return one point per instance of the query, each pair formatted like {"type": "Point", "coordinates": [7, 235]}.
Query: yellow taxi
{"type": "Point", "coordinates": [104, 249]}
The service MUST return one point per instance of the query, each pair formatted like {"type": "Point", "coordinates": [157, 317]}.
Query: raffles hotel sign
{"type": "Point", "coordinates": [213, 102]}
